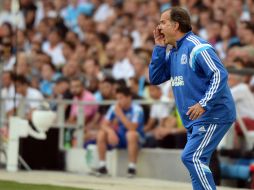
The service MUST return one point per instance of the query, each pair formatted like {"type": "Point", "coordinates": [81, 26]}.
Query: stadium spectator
{"type": "Point", "coordinates": [122, 68]}
{"type": "Point", "coordinates": [8, 91]}
{"type": "Point", "coordinates": [167, 131]}
{"type": "Point", "coordinates": [22, 42]}
{"type": "Point", "coordinates": [8, 59]}
{"type": "Point", "coordinates": [25, 91]}
{"type": "Point", "coordinates": [248, 34]}
{"type": "Point", "coordinates": [105, 92]}
{"type": "Point", "coordinates": [53, 47]}
{"type": "Point", "coordinates": [22, 66]}
{"type": "Point", "coordinates": [140, 68]}
{"type": "Point", "coordinates": [71, 69]}
{"type": "Point", "coordinates": [73, 10]}
{"type": "Point", "coordinates": [104, 11]}
{"type": "Point", "coordinates": [244, 100]}
{"type": "Point", "coordinates": [92, 69]}
{"type": "Point", "coordinates": [68, 50]}
{"type": "Point", "coordinates": [7, 15]}
{"type": "Point", "coordinates": [227, 38]}
{"type": "Point", "coordinates": [61, 91]}
{"type": "Point", "coordinates": [43, 29]}
{"type": "Point", "coordinates": [49, 77]}
{"type": "Point", "coordinates": [134, 87]}
{"type": "Point", "coordinates": [127, 134]}
{"type": "Point", "coordinates": [80, 93]}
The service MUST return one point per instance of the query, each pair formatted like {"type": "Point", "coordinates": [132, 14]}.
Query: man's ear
{"type": "Point", "coordinates": [176, 26]}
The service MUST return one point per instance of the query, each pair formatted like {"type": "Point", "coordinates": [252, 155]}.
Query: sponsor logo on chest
{"type": "Point", "coordinates": [177, 81]}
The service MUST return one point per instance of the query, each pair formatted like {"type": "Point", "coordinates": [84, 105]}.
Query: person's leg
{"type": "Point", "coordinates": [195, 184]}
{"type": "Point", "coordinates": [101, 144]}
{"type": "Point", "coordinates": [132, 145]}
{"type": "Point", "coordinates": [201, 143]}
{"type": "Point", "coordinates": [104, 138]}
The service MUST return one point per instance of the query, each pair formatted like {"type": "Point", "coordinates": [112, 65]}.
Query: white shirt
{"type": "Point", "coordinates": [33, 93]}
{"type": "Point", "coordinates": [203, 33]}
{"type": "Point", "coordinates": [252, 81]}
{"type": "Point", "coordinates": [15, 20]}
{"type": "Point", "coordinates": [244, 100]}
{"type": "Point", "coordinates": [8, 105]}
{"type": "Point", "coordinates": [161, 110]}
{"type": "Point", "coordinates": [137, 41]}
{"type": "Point", "coordinates": [219, 47]}
{"type": "Point", "coordinates": [166, 88]}
{"type": "Point", "coordinates": [56, 53]}
{"type": "Point", "coordinates": [103, 12]}
{"type": "Point", "coordinates": [123, 69]}
{"type": "Point", "coordinates": [9, 64]}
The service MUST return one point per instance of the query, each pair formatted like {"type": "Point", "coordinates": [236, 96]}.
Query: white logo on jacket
{"type": "Point", "coordinates": [177, 81]}
{"type": "Point", "coordinates": [184, 59]}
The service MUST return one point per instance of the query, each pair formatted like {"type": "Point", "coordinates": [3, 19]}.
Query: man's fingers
{"type": "Point", "coordinates": [196, 115]}
{"type": "Point", "coordinates": [192, 115]}
{"type": "Point", "coordinates": [194, 112]}
{"type": "Point", "coordinates": [190, 110]}
{"type": "Point", "coordinates": [154, 32]}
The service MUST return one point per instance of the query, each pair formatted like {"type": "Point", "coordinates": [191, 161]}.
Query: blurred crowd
{"type": "Point", "coordinates": [85, 49]}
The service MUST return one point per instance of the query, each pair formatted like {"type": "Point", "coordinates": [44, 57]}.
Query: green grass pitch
{"type": "Point", "coordinates": [10, 185]}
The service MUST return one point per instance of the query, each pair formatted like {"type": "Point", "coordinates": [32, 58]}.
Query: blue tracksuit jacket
{"type": "Point", "coordinates": [197, 75]}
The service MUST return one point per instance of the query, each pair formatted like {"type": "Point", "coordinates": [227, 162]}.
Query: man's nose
{"type": "Point", "coordinates": [160, 27]}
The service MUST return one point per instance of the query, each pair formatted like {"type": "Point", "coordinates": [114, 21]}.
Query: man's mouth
{"type": "Point", "coordinates": [162, 34]}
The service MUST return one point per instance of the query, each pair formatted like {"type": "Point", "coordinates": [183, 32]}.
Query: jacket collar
{"type": "Point", "coordinates": [180, 41]}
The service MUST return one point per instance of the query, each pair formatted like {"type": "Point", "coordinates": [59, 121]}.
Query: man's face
{"type": "Point", "coordinates": [89, 67]}
{"type": "Point", "coordinates": [76, 87]}
{"type": "Point", "coordinates": [167, 28]}
{"type": "Point", "coordinates": [6, 79]}
{"type": "Point", "coordinates": [106, 89]}
{"type": "Point", "coordinates": [247, 37]}
{"type": "Point", "coordinates": [123, 100]}
{"type": "Point", "coordinates": [155, 93]}
{"type": "Point", "coordinates": [138, 64]}
{"type": "Point", "coordinates": [61, 87]}
{"type": "Point", "coordinates": [20, 88]}
{"type": "Point", "coordinates": [233, 80]}
{"type": "Point", "coordinates": [47, 72]}
{"type": "Point", "coordinates": [120, 52]}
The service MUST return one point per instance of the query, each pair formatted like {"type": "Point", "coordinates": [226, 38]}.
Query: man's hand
{"type": "Point", "coordinates": [118, 111]}
{"type": "Point", "coordinates": [158, 37]}
{"type": "Point", "coordinates": [195, 111]}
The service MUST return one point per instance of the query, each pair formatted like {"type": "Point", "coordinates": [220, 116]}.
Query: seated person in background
{"type": "Point", "coordinates": [49, 76]}
{"type": "Point", "coordinates": [105, 92]}
{"type": "Point", "coordinates": [128, 132]}
{"type": "Point", "coordinates": [134, 87]}
{"type": "Point", "coordinates": [158, 114]}
{"type": "Point", "coordinates": [172, 134]}
{"type": "Point", "coordinates": [81, 94]}
{"type": "Point", "coordinates": [244, 101]}
{"type": "Point", "coordinates": [8, 91]}
{"type": "Point", "coordinates": [23, 88]}
{"type": "Point", "coordinates": [61, 91]}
